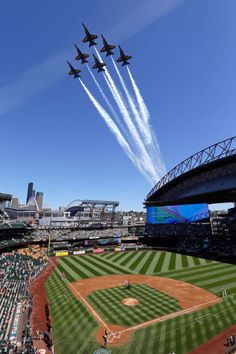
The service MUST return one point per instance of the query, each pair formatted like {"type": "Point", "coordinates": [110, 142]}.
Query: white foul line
{"type": "Point", "coordinates": [171, 315]}
{"type": "Point", "coordinates": [143, 324]}
{"type": "Point", "coordinates": [87, 304]}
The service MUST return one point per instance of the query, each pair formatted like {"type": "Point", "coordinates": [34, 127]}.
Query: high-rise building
{"type": "Point", "coordinates": [14, 203]}
{"type": "Point", "coordinates": [29, 191]}
{"type": "Point", "coordinates": [39, 199]}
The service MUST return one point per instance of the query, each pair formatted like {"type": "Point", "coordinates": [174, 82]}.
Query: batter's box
{"type": "Point", "coordinates": [113, 335]}
{"type": "Point", "coordinates": [204, 317]}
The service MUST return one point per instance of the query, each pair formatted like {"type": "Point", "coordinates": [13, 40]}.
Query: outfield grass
{"type": "Point", "coordinates": [74, 327]}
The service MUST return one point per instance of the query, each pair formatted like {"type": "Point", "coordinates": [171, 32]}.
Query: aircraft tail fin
{"type": "Point", "coordinates": [92, 43]}
{"type": "Point", "coordinates": [109, 53]}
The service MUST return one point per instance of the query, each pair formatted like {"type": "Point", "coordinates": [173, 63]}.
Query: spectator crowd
{"type": "Point", "coordinates": [16, 273]}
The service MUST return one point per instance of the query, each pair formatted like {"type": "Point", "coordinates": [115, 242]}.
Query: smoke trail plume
{"type": "Point", "coordinates": [115, 115]}
{"type": "Point", "coordinates": [143, 108]}
{"type": "Point", "coordinates": [146, 116]}
{"type": "Point", "coordinates": [115, 130]}
{"type": "Point", "coordinates": [142, 127]}
{"type": "Point", "coordinates": [144, 156]}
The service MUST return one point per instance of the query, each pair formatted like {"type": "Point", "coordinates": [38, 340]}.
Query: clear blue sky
{"type": "Point", "coordinates": [184, 61]}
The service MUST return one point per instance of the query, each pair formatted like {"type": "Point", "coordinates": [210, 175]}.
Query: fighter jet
{"type": "Point", "coordinates": [89, 37]}
{"type": "Point", "coordinates": [81, 56]}
{"type": "Point", "coordinates": [98, 64]}
{"type": "Point", "coordinates": [107, 47]}
{"type": "Point", "coordinates": [73, 71]}
{"type": "Point", "coordinates": [123, 58]}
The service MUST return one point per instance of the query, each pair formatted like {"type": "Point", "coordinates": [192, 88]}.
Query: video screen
{"type": "Point", "coordinates": [177, 214]}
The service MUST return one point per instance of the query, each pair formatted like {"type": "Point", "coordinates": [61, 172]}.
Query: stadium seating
{"type": "Point", "coordinates": [16, 273]}
{"type": "Point", "coordinates": [60, 235]}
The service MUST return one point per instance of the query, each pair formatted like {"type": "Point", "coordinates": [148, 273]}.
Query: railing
{"type": "Point", "coordinates": [212, 153]}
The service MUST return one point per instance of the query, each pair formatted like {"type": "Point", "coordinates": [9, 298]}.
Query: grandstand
{"type": "Point", "coordinates": [91, 211]}
{"type": "Point", "coordinates": [16, 273]}
{"type": "Point", "coordinates": [207, 177]}
{"type": "Point", "coordinates": [12, 234]}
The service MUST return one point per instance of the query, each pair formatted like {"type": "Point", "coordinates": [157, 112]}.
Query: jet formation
{"type": "Point", "coordinates": [107, 48]}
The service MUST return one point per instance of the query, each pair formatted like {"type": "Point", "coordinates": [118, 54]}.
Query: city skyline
{"type": "Point", "coordinates": [39, 200]}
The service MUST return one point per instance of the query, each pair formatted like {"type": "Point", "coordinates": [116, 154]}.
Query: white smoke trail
{"type": "Point", "coordinates": [115, 130]}
{"type": "Point", "coordinates": [142, 127]}
{"type": "Point", "coordinates": [145, 158]}
{"type": "Point", "coordinates": [106, 99]}
{"type": "Point", "coordinates": [158, 156]}
{"type": "Point", "coordinates": [143, 108]}
{"type": "Point", "coordinates": [141, 161]}
{"type": "Point", "coordinates": [146, 116]}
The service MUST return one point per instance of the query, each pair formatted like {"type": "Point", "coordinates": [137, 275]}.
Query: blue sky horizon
{"type": "Point", "coordinates": [184, 62]}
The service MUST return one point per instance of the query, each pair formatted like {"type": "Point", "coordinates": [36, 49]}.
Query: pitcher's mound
{"type": "Point", "coordinates": [130, 301]}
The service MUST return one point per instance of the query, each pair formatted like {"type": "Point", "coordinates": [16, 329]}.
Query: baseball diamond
{"type": "Point", "coordinates": [153, 304]}
{"type": "Point", "coordinates": [168, 316]}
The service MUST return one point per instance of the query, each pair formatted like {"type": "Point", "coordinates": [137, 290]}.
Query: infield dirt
{"type": "Point", "coordinates": [190, 297]}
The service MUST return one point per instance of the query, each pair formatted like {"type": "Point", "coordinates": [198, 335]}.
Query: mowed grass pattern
{"type": "Point", "coordinates": [213, 277]}
{"type": "Point", "coordinates": [184, 333]}
{"type": "Point", "coordinates": [143, 262]}
{"type": "Point", "coordinates": [72, 322]}
{"type": "Point", "coordinates": [74, 327]}
{"type": "Point", "coordinates": [153, 303]}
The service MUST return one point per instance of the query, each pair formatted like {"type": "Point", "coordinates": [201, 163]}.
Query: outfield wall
{"type": "Point", "coordinates": [64, 253]}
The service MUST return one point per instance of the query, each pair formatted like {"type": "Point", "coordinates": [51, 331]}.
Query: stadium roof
{"type": "Point", "coordinates": [78, 205]}
{"type": "Point", "coordinates": [209, 176]}
{"type": "Point", "coordinates": [5, 197]}
{"type": "Point", "coordinates": [79, 202]}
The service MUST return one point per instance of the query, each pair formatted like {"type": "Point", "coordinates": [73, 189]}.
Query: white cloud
{"type": "Point", "coordinates": [32, 81]}
{"type": "Point", "coordinates": [143, 16]}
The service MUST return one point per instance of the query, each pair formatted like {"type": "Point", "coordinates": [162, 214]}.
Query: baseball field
{"type": "Point", "coordinates": [173, 304]}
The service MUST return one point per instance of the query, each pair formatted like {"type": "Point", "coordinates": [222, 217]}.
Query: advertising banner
{"type": "Point", "coordinates": [79, 252]}
{"type": "Point", "coordinates": [98, 250]}
{"type": "Point", "coordinates": [62, 253]}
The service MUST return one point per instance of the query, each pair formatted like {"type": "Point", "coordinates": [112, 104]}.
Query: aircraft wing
{"type": "Point", "coordinates": [74, 71]}
{"type": "Point", "coordinates": [119, 59]}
